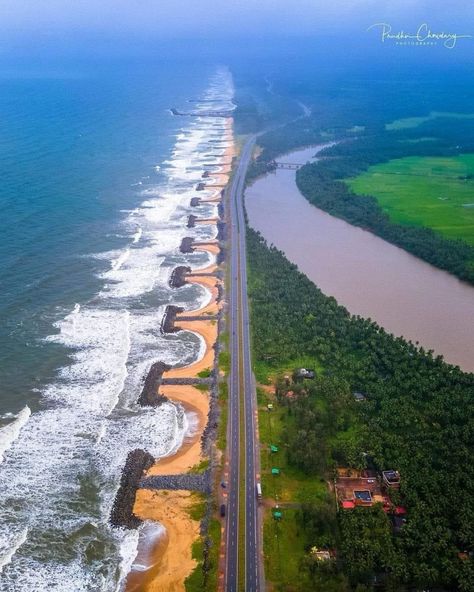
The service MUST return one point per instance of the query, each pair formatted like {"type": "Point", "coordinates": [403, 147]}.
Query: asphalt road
{"type": "Point", "coordinates": [242, 404]}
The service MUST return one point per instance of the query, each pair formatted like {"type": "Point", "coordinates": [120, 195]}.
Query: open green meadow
{"type": "Point", "coordinates": [284, 549]}
{"type": "Point", "coordinates": [292, 485]}
{"type": "Point", "coordinates": [411, 122]}
{"type": "Point", "coordinates": [437, 192]}
{"type": "Point", "coordinates": [285, 540]}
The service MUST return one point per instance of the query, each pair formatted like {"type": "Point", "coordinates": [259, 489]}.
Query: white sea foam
{"type": "Point", "coordinates": [101, 341]}
{"type": "Point", "coordinates": [135, 278]}
{"type": "Point", "coordinates": [138, 556]}
{"type": "Point", "coordinates": [128, 553]}
{"type": "Point", "coordinates": [10, 432]}
{"type": "Point", "coordinates": [124, 255]}
{"type": "Point", "coordinates": [138, 234]}
{"type": "Point", "coordinates": [193, 423]}
{"type": "Point", "coordinates": [9, 548]}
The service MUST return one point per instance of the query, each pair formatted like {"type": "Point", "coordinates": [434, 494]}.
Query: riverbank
{"type": "Point", "coordinates": [170, 561]}
{"type": "Point", "coordinates": [369, 276]}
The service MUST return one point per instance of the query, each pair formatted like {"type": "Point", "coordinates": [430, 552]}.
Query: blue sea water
{"type": "Point", "coordinates": [96, 180]}
{"type": "Point", "coordinates": [71, 149]}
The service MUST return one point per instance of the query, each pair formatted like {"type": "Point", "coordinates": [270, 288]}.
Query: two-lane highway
{"type": "Point", "coordinates": [242, 408]}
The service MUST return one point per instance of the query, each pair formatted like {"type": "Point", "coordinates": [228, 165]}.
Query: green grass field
{"type": "Point", "coordinates": [291, 485]}
{"type": "Point", "coordinates": [411, 122]}
{"type": "Point", "coordinates": [284, 541]}
{"type": "Point", "coordinates": [284, 548]}
{"type": "Point", "coordinates": [425, 191]}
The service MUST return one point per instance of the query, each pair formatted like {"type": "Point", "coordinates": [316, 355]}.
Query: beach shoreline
{"type": "Point", "coordinates": [170, 559]}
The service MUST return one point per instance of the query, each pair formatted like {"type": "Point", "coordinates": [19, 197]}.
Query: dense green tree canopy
{"type": "Point", "coordinates": [418, 417]}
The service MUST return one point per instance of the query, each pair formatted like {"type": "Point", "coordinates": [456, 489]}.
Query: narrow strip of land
{"type": "Point", "coordinates": [242, 444]}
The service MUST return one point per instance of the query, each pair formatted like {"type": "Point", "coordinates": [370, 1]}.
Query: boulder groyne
{"type": "Point", "coordinates": [149, 397]}
{"type": "Point", "coordinates": [189, 481]}
{"type": "Point", "coordinates": [178, 276]}
{"type": "Point", "coordinates": [168, 323]}
{"type": "Point", "coordinates": [187, 245]}
{"type": "Point", "coordinates": [138, 461]}
{"type": "Point", "coordinates": [190, 381]}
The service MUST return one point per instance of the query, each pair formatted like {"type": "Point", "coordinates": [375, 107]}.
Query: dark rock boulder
{"type": "Point", "coordinates": [187, 245]}
{"type": "Point", "coordinates": [149, 396]}
{"type": "Point", "coordinates": [188, 481]}
{"type": "Point", "coordinates": [178, 276]}
{"type": "Point", "coordinates": [138, 461]}
{"type": "Point", "coordinates": [221, 226]}
{"type": "Point", "coordinates": [169, 319]}
{"type": "Point", "coordinates": [220, 209]}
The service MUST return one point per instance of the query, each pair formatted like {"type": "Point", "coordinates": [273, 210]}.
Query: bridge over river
{"type": "Point", "coordinates": [291, 166]}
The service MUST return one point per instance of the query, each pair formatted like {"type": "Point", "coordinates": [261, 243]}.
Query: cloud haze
{"type": "Point", "coordinates": [197, 17]}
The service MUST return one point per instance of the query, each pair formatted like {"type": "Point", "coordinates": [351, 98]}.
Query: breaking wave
{"type": "Point", "coordinates": [10, 432]}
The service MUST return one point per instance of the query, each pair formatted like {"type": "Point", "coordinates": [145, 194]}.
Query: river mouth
{"type": "Point", "coordinates": [369, 276]}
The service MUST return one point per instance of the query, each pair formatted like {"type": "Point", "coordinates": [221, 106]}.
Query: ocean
{"type": "Point", "coordinates": [97, 178]}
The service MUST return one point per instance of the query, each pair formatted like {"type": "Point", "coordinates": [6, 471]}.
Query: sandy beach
{"type": "Point", "coordinates": [207, 221]}
{"type": "Point", "coordinates": [208, 330]}
{"type": "Point", "coordinates": [171, 560]}
{"type": "Point", "coordinates": [208, 282]}
{"type": "Point", "coordinates": [189, 454]}
{"type": "Point", "coordinates": [221, 180]}
{"type": "Point", "coordinates": [172, 557]}
{"type": "Point", "coordinates": [210, 247]}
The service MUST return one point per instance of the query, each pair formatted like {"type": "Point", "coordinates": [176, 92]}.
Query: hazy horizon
{"type": "Point", "coordinates": [58, 27]}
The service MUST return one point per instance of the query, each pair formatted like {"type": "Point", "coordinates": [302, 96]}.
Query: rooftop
{"type": "Point", "coordinates": [363, 496]}
{"type": "Point", "coordinates": [358, 487]}
{"type": "Point", "coordinates": [391, 478]}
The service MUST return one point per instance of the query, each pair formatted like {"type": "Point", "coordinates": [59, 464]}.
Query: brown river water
{"type": "Point", "coordinates": [366, 274]}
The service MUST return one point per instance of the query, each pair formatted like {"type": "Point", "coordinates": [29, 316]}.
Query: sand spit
{"type": "Point", "coordinates": [208, 246]}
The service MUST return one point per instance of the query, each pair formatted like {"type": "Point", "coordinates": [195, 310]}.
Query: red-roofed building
{"type": "Point", "coordinates": [400, 511]}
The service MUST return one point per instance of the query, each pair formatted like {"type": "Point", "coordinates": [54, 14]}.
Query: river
{"type": "Point", "coordinates": [366, 274]}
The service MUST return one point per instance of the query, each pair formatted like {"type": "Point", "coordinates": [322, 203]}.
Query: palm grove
{"type": "Point", "coordinates": [417, 416]}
